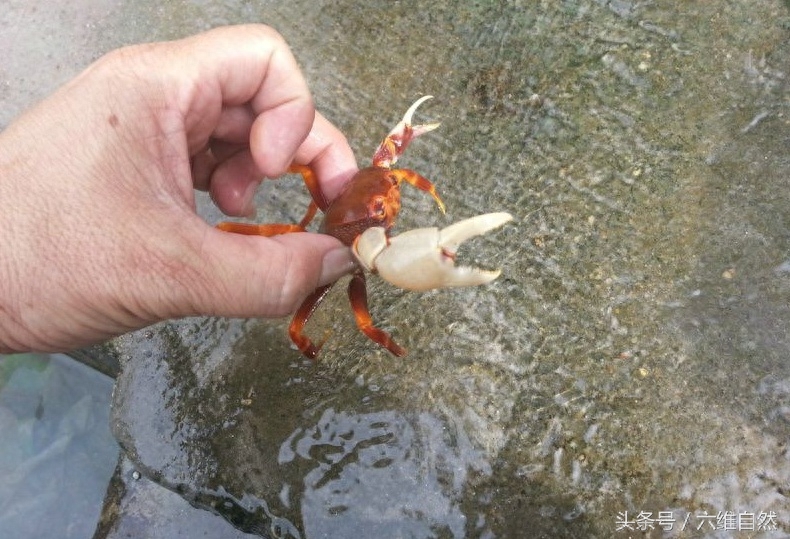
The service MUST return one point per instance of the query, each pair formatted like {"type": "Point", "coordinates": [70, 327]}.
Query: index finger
{"type": "Point", "coordinates": [252, 64]}
{"type": "Point", "coordinates": [327, 152]}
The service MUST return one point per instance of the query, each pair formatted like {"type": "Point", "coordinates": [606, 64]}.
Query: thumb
{"type": "Point", "coordinates": [255, 276]}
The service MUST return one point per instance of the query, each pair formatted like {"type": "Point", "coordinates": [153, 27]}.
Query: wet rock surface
{"type": "Point", "coordinates": [137, 507]}
{"type": "Point", "coordinates": [633, 355]}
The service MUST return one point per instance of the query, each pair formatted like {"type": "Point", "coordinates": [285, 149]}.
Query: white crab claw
{"type": "Point", "coordinates": [424, 258]}
{"type": "Point", "coordinates": [398, 139]}
{"type": "Point", "coordinates": [417, 130]}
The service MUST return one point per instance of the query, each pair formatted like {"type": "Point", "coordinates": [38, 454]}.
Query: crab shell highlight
{"type": "Point", "coordinates": [361, 217]}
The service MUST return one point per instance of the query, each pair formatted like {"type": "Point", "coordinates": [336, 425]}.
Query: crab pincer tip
{"type": "Point", "coordinates": [410, 112]}
{"type": "Point", "coordinates": [454, 235]}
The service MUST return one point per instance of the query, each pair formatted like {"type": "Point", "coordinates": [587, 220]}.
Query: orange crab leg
{"type": "Point", "coordinates": [308, 216]}
{"type": "Point", "coordinates": [251, 229]}
{"type": "Point", "coordinates": [276, 229]}
{"type": "Point", "coordinates": [312, 185]}
{"type": "Point", "coordinates": [420, 182]}
{"type": "Point", "coordinates": [302, 315]}
{"type": "Point", "coordinates": [358, 295]}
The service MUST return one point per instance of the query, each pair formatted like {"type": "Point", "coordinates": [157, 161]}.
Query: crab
{"type": "Point", "coordinates": [362, 216]}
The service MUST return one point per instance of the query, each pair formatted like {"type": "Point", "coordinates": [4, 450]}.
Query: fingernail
{"type": "Point", "coordinates": [336, 263]}
{"type": "Point", "coordinates": [249, 210]}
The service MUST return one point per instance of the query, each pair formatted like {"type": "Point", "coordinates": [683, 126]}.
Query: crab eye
{"type": "Point", "coordinates": [378, 209]}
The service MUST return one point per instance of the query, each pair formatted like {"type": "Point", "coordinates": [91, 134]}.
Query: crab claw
{"type": "Point", "coordinates": [395, 143]}
{"type": "Point", "coordinates": [424, 258]}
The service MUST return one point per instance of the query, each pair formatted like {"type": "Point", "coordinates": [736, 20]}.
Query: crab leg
{"type": "Point", "coordinates": [251, 229]}
{"type": "Point", "coordinates": [302, 315]}
{"type": "Point", "coordinates": [396, 142]}
{"type": "Point", "coordinates": [319, 200]}
{"type": "Point", "coordinates": [420, 182]}
{"type": "Point", "coordinates": [358, 295]}
{"type": "Point", "coordinates": [424, 258]}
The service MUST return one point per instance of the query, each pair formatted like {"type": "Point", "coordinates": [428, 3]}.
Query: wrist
{"type": "Point", "coordinates": [11, 252]}
{"type": "Point", "coordinates": [12, 332]}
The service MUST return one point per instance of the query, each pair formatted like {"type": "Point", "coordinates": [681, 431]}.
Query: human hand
{"type": "Point", "coordinates": [99, 230]}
